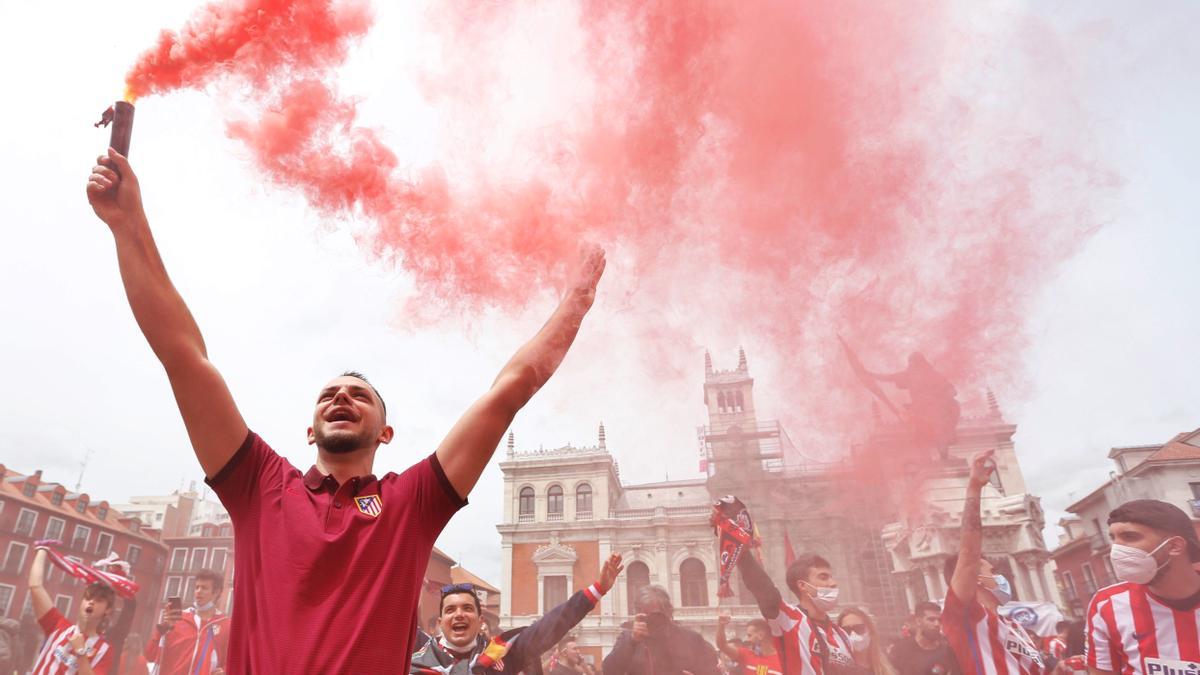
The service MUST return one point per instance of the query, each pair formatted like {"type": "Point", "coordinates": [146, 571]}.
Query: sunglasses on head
{"type": "Point", "coordinates": [451, 589]}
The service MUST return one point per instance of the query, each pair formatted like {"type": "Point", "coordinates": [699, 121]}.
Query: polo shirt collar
{"type": "Point", "coordinates": [314, 479]}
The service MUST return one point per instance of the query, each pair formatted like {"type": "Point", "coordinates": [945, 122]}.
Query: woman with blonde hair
{"type": "Point", "coordinates": [865, 641]}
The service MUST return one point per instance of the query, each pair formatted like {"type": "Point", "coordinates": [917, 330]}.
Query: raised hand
{"type": "Point", "coordinates": [114, 192]}
{"type": "Point", "coordinates": [587, 274]}
{"type": "Point", "coordinates": [640, 628]}
{"type": "Point", "coordinates": [608, 574]}
{"type": "Point", "coordinates": [724, 619]}
{"type": "Point", "coordinates": [982, 466]}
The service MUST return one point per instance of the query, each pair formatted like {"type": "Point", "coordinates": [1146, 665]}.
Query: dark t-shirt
{"type": "Point", "coordinates": [910, 658]}
{"type": "Point", "coordinates": [327, 577]}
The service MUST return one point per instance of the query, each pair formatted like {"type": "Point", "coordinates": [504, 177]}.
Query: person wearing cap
{"type": "Point", "coordinates": [460, 649]}
{"type": "Point", "coordinates": [71, 648]}
{"type": "Point", "coordinates": [983, 641]}
{"type": "Point", "coordinates": [1147, 622]}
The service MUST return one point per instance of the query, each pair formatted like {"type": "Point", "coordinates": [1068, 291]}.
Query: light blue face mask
{"type": "Point", "coordinates": [1002, 591]}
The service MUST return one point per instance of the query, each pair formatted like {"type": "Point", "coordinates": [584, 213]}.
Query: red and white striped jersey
{"type": "Point", "coordinates": [808, 647]}
{"type": "Point", "coordinates": [986, 643]}
{"type": "Point", "coordinates": [1057, 648]}
{"type": "Point", "coordinates": [55, 657]}
{"type": "Point", "coordinates": [1130, 631]}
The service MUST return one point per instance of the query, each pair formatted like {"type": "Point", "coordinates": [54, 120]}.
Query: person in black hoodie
{"type": "Point", "coordinates": [653, 644]}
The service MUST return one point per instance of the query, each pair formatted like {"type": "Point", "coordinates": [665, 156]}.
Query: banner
{"type": "Point", "coordinates": [1039, 618]}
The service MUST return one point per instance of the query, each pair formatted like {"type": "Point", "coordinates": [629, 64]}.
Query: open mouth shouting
{"type": "Point", "coordinates": [460, 628]}
{"type": "Point", "coordinates": [340, 414]}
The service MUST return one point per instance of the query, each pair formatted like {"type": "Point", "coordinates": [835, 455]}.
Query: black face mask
{"type": "Point", "coordinates": [657, 622]}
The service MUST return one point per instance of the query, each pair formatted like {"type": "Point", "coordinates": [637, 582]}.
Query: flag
{"type": "Point", "coordinates": [789, 553]}
{"type": "Point", "coordinates": [1039, 618]}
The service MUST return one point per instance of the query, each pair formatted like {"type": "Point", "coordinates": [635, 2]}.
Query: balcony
{"type": "Point", "coordinates": [554, 516]}
{"type": "Point", "coordinates": [583, 515]}
{"type": "Point", "coordinates": [525, 518]}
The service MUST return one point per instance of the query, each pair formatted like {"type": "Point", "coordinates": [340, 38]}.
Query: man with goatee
{"type": "Point", "coordinates": [330, 561]}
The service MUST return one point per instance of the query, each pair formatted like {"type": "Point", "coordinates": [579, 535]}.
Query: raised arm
{"type": "Point", "coordinates": [543, 634]}
{"type": "Point", "coordinates": [722, 643]}
{"type": "Point", "coordinates": [970, 546]}
{"type": "Point", "coordinates": [214, 425]}
{"type": "Point", "coordinates": [468, 447]}
{"type": "Point", "coordinates": [37, 589]}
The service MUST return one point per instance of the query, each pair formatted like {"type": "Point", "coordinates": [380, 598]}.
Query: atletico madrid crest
{"type": "Point", "coordinates": [371, 505]}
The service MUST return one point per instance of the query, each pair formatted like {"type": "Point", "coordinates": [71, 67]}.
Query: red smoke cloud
{"type": "Point", "coordinates": [897, 174]}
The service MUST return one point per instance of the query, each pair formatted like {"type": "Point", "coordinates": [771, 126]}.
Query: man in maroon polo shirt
{"type": "Point", "coordinates": [329, 562]}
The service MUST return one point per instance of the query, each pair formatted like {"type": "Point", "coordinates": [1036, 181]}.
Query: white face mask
{"type": "Point", "coordinates": [206, 607]}
{"type": "Point", "coordinates": [824, 599]}
{"type": "Point", "coordinates": [1135, 565]}
{"type": "Point", "coordinates": [860, 643]}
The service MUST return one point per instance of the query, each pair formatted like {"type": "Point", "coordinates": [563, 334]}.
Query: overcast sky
{"type": "Point", "coordinates": [286, 300]}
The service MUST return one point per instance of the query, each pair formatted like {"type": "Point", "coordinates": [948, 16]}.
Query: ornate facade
{"type": "Point", "coordinates": [566, 510]}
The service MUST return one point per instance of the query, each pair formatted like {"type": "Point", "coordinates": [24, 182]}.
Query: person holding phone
{"type": "Point", "coordinates": [194, 641]}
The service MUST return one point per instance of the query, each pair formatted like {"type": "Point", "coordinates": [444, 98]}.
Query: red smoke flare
{"type": "Point", "coordinates": [891, 172]}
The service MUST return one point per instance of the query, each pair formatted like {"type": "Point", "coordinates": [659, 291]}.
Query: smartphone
{"type": "Point", "coordinates": [175, 603]}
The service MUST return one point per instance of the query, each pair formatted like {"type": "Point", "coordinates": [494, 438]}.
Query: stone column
{"type": "Point", "coordinates": [606, 603]}
{"type": "Point", "coordinates": [909, 594]}
{"type": "Point", "coordinates": [663, 562]}
{"type": "Point", "coordinates": [931, 581]}
{"type": "Point", "coordinates": [506, 580]}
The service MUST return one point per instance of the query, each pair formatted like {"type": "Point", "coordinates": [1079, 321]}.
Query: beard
{"type": "Point", "coordinates": [339, 443]}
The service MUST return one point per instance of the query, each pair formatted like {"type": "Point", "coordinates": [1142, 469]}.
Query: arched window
{"type": "Point", "coordinates": [741, 403]}
{"type": "Point", "coordinates": [525, 503]}
{"type": "Point", "coordinates": [721, 401]}
{"type": "Point", "coordinates": [637, 577]}
{"type": "Point", "coordinates": [583, 500]}
{"type": "Point", "coordinates": [693, 587]}
{"type": "Point", "coordinates": [554, 502]}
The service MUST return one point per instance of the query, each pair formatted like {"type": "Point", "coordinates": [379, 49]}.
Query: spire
{"type": "Point", "coordinates": [602, 446]}
{"type": "Point", "coordinates": [707, 363]}
{"type": "Point", "coordinates": [993, 405]}
{"type": "Point", "coordinates": [741, 359]}
{"type": "Point", "coordinates": [511, 443]}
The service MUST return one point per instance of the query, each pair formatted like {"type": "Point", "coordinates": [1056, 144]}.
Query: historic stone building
{"type": "Point", "coordinates": [566, 510]}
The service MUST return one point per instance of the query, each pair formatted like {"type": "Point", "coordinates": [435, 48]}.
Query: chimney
{"type": "Point", "coordinates": [741, 360]}
{"type": "Point", "coordinates": [602, 439]}
{"type": "Point", "coordinates": [707, 363]}
{"type": "Point", "coordinates": [511, 444]}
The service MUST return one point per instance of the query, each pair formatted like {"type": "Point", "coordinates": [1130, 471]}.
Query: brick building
{"type": "Point", "coordinates": [489, 595]}
{"type": "Point", "coordinates": [32, 509]}
{"type": "Point", "coordinates": [211, 548]}
{"type": "Point", "coordinates": [1169, 471]}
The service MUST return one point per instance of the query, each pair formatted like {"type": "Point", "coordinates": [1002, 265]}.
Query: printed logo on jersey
{"type": "Point", "coordinates": [1019, 647]}
{"type": "Point", "coordinates": [1170, 667]}
{"type": "Point", "coordinates": [371, 505]}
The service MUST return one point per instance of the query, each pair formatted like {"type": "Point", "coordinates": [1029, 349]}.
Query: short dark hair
{"type": "Point", "coordinates": [798, 571]}
{"type": "Point", "coordinates": [455, 589]}
{"type": "Point", "coordinates": [98, 590]}
{"type": "Point", "coordinates": [360, 376]}
{"type": "Point", "coordinates": [1161, 516]}
{"type": "Point", "coordinates": [926, 606]}
{"type": "Point", "coordinates": [760, 624]}
{"type": "Point", "coordinates": [214, 578]}
{"type": "Point", "coordinates": [951, 563]}
{"type": "Point", "coordinates": [562, 644]}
